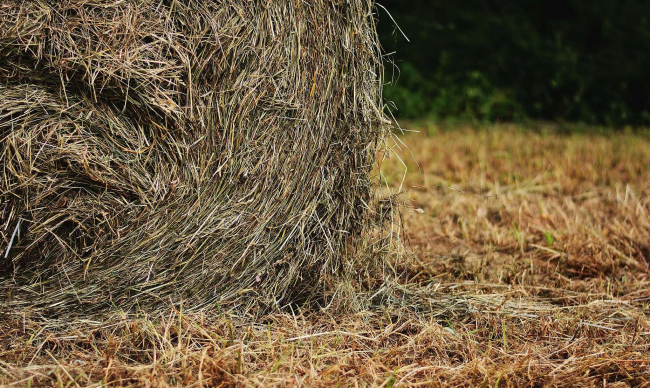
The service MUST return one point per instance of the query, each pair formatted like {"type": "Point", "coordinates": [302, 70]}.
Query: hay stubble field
{"type": "Point", "coordinates": [527, 263]}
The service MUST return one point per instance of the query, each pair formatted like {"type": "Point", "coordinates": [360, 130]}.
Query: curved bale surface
{"type": "Point", "coordinates": [205, 151]}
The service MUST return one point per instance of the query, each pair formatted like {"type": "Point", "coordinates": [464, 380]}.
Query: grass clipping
{"type": "Point", "coordinates": [205, 151]}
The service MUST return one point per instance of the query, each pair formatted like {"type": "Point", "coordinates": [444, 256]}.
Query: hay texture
{"type": "Point", "coordinates": [205, 151]}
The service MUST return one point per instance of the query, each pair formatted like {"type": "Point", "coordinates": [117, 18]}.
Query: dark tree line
{"type": "Point", "coordinates": [572, 60]}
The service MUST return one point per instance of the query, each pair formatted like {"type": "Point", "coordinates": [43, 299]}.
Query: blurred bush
{"type": "Point", "coordinates": [505, 60]}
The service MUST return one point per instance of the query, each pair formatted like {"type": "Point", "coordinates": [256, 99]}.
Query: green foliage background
{"type": "Point", "coordinates": [503, 60]}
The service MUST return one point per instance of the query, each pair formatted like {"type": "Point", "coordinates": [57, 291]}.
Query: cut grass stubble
{"type": "Point", "coordinates": [476, 304]}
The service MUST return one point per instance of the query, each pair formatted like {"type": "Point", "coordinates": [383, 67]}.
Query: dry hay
{"type": "Point", "coordinates": [205, 151]}
{"type": "Point", "coordinates": [479, 306]}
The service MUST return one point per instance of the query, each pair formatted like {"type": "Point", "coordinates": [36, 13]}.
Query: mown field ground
{"type": "Point", "coordinates": [529, 265]}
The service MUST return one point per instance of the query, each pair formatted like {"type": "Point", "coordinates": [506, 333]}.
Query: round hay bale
{"type": "Point", "coordinates": [199, 150]}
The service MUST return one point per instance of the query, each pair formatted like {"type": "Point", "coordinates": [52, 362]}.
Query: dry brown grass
{"type": "Point", "coordinates": [530, 268]}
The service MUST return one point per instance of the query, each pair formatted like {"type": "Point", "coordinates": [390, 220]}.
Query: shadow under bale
{"type": "Point", "coordinates": [206, 151]}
